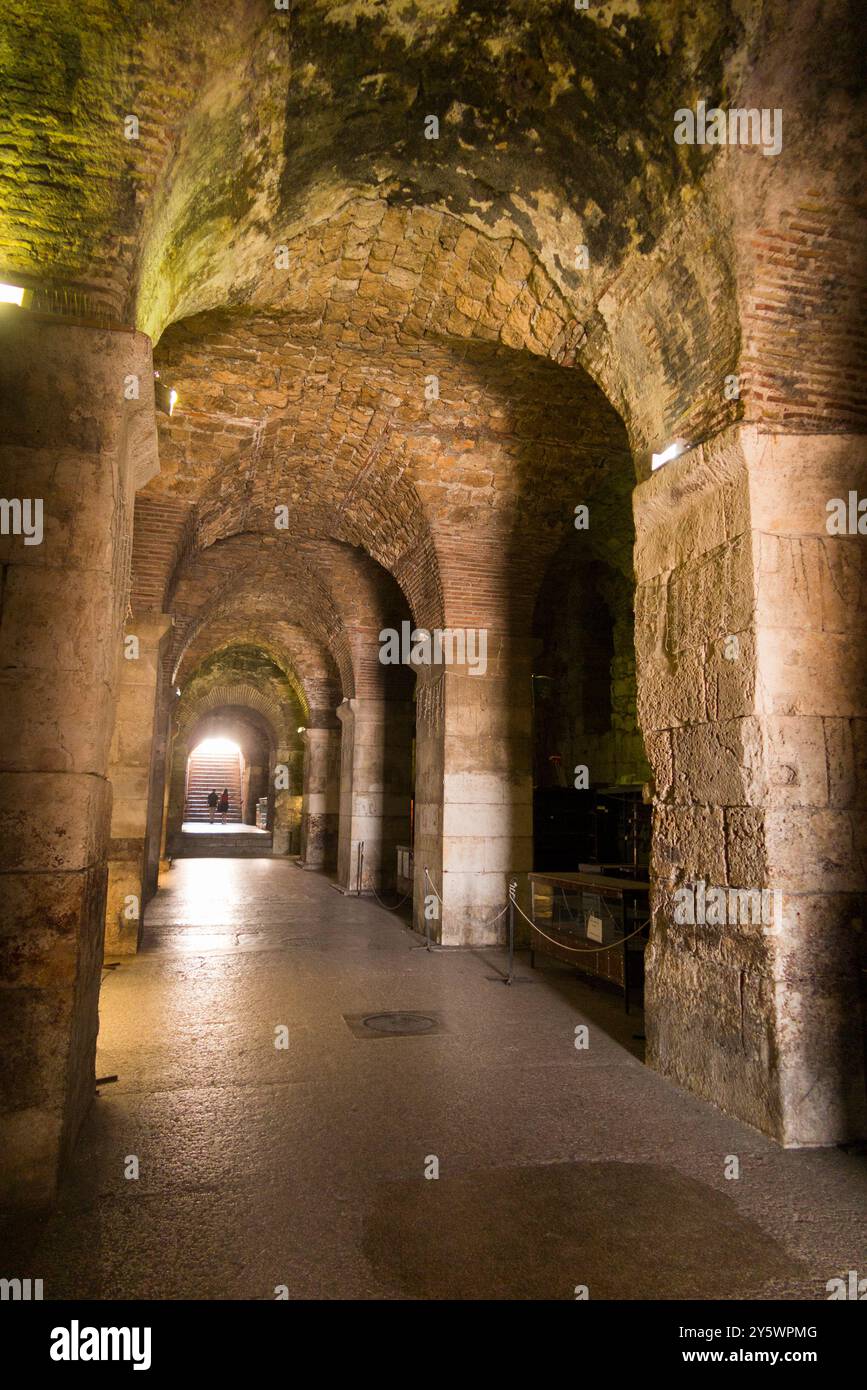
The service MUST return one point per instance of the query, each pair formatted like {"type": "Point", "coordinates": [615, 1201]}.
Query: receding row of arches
{"type": "Point", "coordinates": [394, 380]}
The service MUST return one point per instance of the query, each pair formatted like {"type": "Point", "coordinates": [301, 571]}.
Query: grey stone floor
{"type": "Point", "coordinates": [304, 1167]}
{"type": "Point", "coordinates": [216, 827]}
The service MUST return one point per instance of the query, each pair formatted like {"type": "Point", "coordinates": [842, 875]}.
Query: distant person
{"type": "Point", "coordinates": [213, 802]}
{"type": "Point", "coordinates": [224, 804]}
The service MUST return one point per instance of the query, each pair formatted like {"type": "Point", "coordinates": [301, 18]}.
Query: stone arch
{"type": "Point", "coordinates": [282, 718]}
{"type": "Point", "coordinates": [242, 694]}
{"type": "Point", "coordinates": [307, 665]}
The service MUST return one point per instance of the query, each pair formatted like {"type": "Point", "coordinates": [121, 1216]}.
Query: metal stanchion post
{"type": "Point", "coordinates": [426, 918]}
{"type": "Point", "coordinates": [427, 945]}
{"type": "Point", "coordinates": [359, 868]}
{"type": "Point", "coordinates": [513, 888]}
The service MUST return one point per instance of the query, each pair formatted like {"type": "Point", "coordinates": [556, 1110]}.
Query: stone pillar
{"type": "Point", "coordinates": [321, 798]}
{"type": "Point", "coordinates": [130, 767]}
{"type": "Point", "coordinates": [258, 785]}
{"type": "Point", "coordinates": [70, 439]}
{"type": "Point", "coordinates": [750, 635]}
{"type": "Point", "coordinates": [474, 792]}
{"type": "Point", "coordinates": [428, 804]}
{"type": "Point", "coordinates": [154, 842]}
{"type": "Point", "coordinates": [286, 832]}
{"type": "Point", "coordinates": [375, 790]}
{"type": "Point", "coordinates": [176, 792]}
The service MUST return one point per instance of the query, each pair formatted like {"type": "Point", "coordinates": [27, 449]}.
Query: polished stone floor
{"type": "Point", "coordinates": [303, 1167]}
{"type": "Point", "coordinates": [216, 827]}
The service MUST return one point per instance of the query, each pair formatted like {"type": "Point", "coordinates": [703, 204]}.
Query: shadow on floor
{"type": "Point", "coordinates": [537, 1233]}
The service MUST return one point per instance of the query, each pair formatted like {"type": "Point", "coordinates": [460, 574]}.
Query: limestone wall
{"type": "Point", "coordinates": [750, 625]}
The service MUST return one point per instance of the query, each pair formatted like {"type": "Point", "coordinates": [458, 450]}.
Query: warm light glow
{"type": "Point", "coordinates": [671, 452]}
{"type": "Point", "coordinates": [173, 396]}
{"type": "Point", "coordinates": [217, 748]}
{"type": "Point", "coordinates": [11, 294]}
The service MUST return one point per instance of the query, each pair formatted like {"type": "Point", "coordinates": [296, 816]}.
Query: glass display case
{"type": "Point", "coordinates": [596, 921]}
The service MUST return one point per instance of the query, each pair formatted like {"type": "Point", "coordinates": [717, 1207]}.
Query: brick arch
{"type": "Point", "coordinates": [334, 592]}
{"type": "Point", "coordinates": [412, 472]}
{"type": "Point", "coordinates": [529, 166]}
{"type": "Point", "coordinates": [206, 587]}
{"type": "Point", "coordinates": [372, 502]}
{"type": "Point", "coordinates": [229, 162]}
{"type": "Point", "coordinates": [307, 664]}
{"type": "Point", "coordinates": [243, 694]}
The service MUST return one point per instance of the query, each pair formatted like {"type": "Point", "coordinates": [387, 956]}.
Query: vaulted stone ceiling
{"type": "Point", "coordinates": [253, 116]}
{"type": "Point", "coordinates": [245, 668]}
{"type": "Point", "coordinates": [309, 260]}
{"type": "Point", "coordinates": [257, 125]}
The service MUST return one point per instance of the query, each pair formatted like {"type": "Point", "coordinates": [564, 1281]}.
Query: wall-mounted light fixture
{"type": "Point", "coordinates": [15, 294]}
{"type": "Point", "coordinates": [678, 447]}
{"type": "Point", "coordinates": [165, 396]}
{"type": "Point", "coordinates": [303, 729]}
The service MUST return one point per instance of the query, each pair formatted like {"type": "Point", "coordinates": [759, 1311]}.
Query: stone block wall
{"type": "Point", "coordinates": [750, 624]}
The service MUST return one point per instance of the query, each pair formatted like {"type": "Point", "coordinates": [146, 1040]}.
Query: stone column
{"type": "Point", "coordinates": [752, 688]}
{"type": "Point", "coordinates": [321, 798]}
{"type": "Point", "coordinates": [175, 794]}
{"type": "Point", "coordinates": [474, 791]}
{"type": "Point", "coordinates": [130, 767]}
{"type": "Point", "coordinates": [258, 785]}
{"type": "Point", "coordinates": [287, 804]}
{"type": "Point", "coordinates": [375, 790]}
{"type": "Point", "coordinates": [157, 791]}
{"type": "Point", "coordinates": [73, 441]}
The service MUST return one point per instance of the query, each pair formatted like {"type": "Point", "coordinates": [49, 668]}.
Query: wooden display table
{"type": "Point", "coordinates": [597, 923]}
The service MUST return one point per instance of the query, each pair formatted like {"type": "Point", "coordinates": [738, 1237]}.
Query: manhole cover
{"type": "Point", "coordinates": [399, 1023]}
{"type": "Point", "coordinates": [393, 1023]}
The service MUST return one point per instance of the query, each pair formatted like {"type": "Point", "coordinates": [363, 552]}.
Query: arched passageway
{"type": "Point", "coordinates": [216, 774]}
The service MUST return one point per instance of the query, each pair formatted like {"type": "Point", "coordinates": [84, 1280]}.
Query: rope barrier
{"type": "Point", "coordinates": [396, 905]}
{"type": "Point", "coordinates": [442, 904]}
{"type": "Point", "coordinates": [578, 950]}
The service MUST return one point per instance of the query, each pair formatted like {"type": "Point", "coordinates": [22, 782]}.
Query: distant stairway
{"type": "Point", "coordinates": [207, 774]}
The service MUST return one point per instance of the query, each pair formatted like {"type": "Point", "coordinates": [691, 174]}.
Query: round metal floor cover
{"type": "Point", "coordinates": [399, 1023]}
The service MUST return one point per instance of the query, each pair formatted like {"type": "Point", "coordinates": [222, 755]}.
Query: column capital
{"type": "Point", "coordinates": [320, 734]}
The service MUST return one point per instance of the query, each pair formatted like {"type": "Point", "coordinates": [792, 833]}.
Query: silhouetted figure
{"type": "Point", "coordinates": [213, 802]}
{"type": "Point", "coordinates": [224, 804]}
